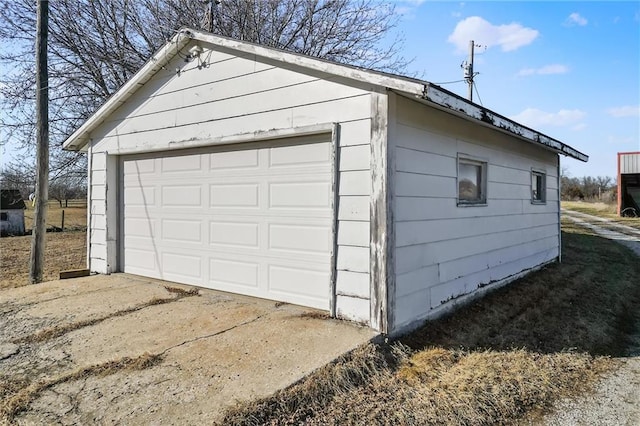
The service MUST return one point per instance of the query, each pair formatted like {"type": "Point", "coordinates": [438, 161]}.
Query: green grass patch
{"type": "Point", "coordinates": [503, 357]}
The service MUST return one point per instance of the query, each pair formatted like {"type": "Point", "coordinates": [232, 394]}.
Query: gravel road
{"type": "Point", "coordinates": [616, 400]}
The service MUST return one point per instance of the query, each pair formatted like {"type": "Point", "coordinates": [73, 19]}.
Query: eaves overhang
{"type": "Point", "coordinates": [81, 137]}
{"type": "Point", "coordinates": [450, 102]}
{"type": "Point", "coordinates": [422, 91]}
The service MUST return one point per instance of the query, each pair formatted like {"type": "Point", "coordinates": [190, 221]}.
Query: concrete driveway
{"type": "Point", "coordinates": [126, 349]}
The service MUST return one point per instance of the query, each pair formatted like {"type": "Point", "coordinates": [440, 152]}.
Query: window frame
{"type": "Point", "coordinates": [484, 167]}
{"type": "Point", "coordinates": [543, 175]}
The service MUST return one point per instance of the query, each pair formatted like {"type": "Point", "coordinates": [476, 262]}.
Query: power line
{"type": "Point", "coordinates": [475, 86]}
{"type": "Point", "coordinates": [450, 82]}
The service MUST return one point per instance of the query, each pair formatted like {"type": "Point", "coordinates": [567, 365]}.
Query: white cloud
{"type": "Point", "coordinates": [565, 117]}
{"type": "Point", "coordinates": [579, 126]}
{"type": "Point", "coordinates": [407, 8]}
{"type": "Point", "coordinates": [545, 70]}
{"type": "Point", "coordinates": [624, 111]}
{"type": "Point", "coordinates": [509, 36]}
{"type": "Point", "coordinates": [576, 19]}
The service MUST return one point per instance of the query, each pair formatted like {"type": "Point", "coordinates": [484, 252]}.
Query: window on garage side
{"type": "Point", "coordinates": [538, 187]}
{"type": "Point", "coordinates": [472, 182]}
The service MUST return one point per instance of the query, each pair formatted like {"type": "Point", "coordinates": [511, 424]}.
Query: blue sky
{"type": "Point", "coordinates": [568, 69]}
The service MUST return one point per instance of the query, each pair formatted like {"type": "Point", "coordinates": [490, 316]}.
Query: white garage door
{"type": "Point", "coordinates": [253, 219]}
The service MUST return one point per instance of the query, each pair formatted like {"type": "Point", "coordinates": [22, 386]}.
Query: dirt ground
{"type": "Point", "coordinates": [119, 348]}
{"type": "Point", "coordinates": [64, 251]}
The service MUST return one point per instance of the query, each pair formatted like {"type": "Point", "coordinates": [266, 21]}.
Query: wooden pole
{"type": "Point", "coordinates": [62, 224]}
{"type": "Point", "coordinates": [42, 136]}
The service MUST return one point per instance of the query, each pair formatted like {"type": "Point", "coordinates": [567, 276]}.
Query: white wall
{"type": "Point", "coordinates": [239, 95]}
{"type": "Point", "coordinates": [444, 251]}
{"type": "Point", "coordinates": [14, 225]}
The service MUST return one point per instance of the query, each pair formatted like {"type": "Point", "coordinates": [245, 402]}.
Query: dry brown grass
{"type": "Point", "coordinates": [607, 211]}
{"type": "Point", "coordinates": [75, 215]}
{"type": "Point", "coordinates": [63, 251]}
{"type": "Point", "coordinates": [19, 397]}
{"type": "Point", "coordinates": [496, 361]}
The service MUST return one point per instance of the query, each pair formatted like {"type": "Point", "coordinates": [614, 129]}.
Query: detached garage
{"type": "Point", "coordinates": [378, 198]}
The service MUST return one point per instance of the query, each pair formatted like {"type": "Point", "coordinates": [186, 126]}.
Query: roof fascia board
{"type": "Point", "coordinates": [317, 64]}
{"type": "Point", "coordinates": [459, 105]}
{"type": "Point", "coordinates": [435, 95]}
{"type": "Point", "coordinates": [79, 138]}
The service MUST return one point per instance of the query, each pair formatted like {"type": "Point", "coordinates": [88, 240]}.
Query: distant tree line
{"type": "Point", "coordinates": [62, 187]}
{"type": "Point", "coordinates": [96, 46]}
{"type": "Point", "coordinates": [601, 188]}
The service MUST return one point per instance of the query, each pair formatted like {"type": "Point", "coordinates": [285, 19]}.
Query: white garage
{"type": "Point", "coordinates": [254, 219]}
{"type": "Point", "coordinates": [379, 198]}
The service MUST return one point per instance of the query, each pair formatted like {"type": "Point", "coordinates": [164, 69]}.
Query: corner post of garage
{"type": "Point", "coordinates": [335, 186]}
{"type": "Point", "coordinates": [112, 216]}
{"type": "Point", "coordinates": [381, 220]}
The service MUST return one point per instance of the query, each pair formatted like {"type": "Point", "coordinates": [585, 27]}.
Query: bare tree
{"type": "Point", "coordinates": [96, 46]}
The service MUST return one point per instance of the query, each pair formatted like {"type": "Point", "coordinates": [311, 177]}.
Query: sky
{"type": "Point", "coordinates": [570, 70]}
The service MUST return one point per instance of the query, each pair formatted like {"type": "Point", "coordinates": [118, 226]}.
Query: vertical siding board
{"type": "Point", "coordinates": [378, 212]}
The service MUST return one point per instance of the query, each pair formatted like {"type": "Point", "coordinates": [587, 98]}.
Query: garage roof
{"type": "Point", "coordinates": [420, 90]}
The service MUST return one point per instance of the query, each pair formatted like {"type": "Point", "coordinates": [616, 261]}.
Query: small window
{"type": "Point", "coordinates": [472, 182]}
{"type": "Point", "coordinates": [3, 216]}
{"type": "Point", "coordinates": [538, 187]}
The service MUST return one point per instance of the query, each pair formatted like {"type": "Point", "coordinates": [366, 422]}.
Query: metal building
{"type": "Point", "coordinates": [629, 184]}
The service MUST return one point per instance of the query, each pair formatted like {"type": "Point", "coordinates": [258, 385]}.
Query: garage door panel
{"type": "Point", "coordinates": [244, 195]}
{"type": "Point", "coordinates": [182, 230]}
{"type": "Point", "coordinates": [302, 282]}
{"type": "Point", "coordinates": [299, 238]}
{"type": "Point", "coordinates": [144, 260]}
{"type": "Point", "coordinates": [137, 196]}
{"type": "Point", "coordinates": [233, 272]}
{"type": "Point", "coordinates": [185, 164]}
{"type": "Point", "coordinates": [255, 221]}
{"type": "Point", "coordinates": [234, 234]}
{"type": "Point", "coordinates": [181, 196]}
{"type": "Point", "coordinates": [140, 227]}
{"type": "Point", "coordinates": [300, 195]}
{"type": "Point", "coordinates": [134, 167]}
{"type": "Point", "coordinates": [179, 265]}
{"type": "Point", "coordinates": [230, 160]}
{"type": "Point", "coordinates": [295, 155]}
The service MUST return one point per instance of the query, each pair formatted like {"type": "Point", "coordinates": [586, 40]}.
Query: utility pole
{"type": "Point", "coordinates": [468, 72]}
{"type": "Point", "coordinates": [211, 15]}
{"type": "Point", "coordinates": [42, 136]}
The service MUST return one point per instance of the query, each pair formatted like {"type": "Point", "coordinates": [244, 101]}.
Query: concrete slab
{"type": "Point", "coordinates": [215, 349]}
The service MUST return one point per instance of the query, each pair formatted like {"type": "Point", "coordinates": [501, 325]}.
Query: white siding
{"type": "Point", "coordinates": [238, 95]}
{"type": "Point", "coordinates": [444, 251]}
